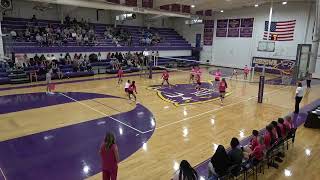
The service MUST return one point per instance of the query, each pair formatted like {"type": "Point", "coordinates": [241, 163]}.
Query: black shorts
{"type": "Point", "coordinates": [125, 89]}
{"type": "Point", "coordinates": [217, 79]}
{"type": "Point", "coordinates": [130, 92]}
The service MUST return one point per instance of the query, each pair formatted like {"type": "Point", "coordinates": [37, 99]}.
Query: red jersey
{"type": "Point", "coordinates": [132, 88]}
{"type": "Point", "coordinates": [254, 142]}
{"type": "Point", "coordinates": [246, 70]}
{"type": "Point", "coordinates": [165, 75]}
{"type": "Point", "coordinates": [120, 73]}
{"type": "Point", "coordinates": [218, 75]}
{"type": "Point", "coordinates": [108, 157]}
{"type": "Point", "coordinates": [258, 152]}
{"type": "Point", "coordinates": [267, 139]}
{"type": "Point", "coordinates": [198, 78]}
{"type": "Point", "coordinates": [222, 86]}
{"type": "Point", "coordinates": [283, 130]}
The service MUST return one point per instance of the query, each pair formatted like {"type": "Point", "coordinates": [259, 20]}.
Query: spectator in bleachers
{"type": "Point", "coordinates": [108, 56]}
{"type": "Point", "coordinates": [36, 59]}
{"type": "Point", "coordinates": [34, 19]}
{"type": "Point", "coordinates": [27, 35]}
{"type": "Point", "coordinates": [185, 172]}
{"type": "Point", "coordinates": [62, 60]}
{"type": "Point", "coordinates": [13, 34]}
{"type": "Point", "coordinates": [219, 163]}
{"type": "Point", "coordinates": [68, 58]}
{"type": "Point", "coordinates": [99, 57]}
{"type": "Point", "coordinates": [79, 39]}
{"type": "Point", "coordinates": [86, 40]}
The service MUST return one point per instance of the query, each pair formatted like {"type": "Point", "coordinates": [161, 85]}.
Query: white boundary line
{"type": "Point", "coordinates": [5, 178]}
{"type": "Point", "coordinates": [102, 113]}
{"type": "Point", "coordinates": [213, 110]}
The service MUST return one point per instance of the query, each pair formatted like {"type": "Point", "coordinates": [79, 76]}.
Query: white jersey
{"type": "Point", "coordinates": [299, 91]}
{"type": "Point", "coordinates": [126, 86]}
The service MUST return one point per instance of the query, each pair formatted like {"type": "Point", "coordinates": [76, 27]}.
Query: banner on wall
{"type": "Point", "coordinates": [246, 27]}
{"type": "Point", "coordinates": [273, 65]}
{"type": "Point", "coordinates": [186, 9]}
{"type": "Point", "coordinates": [131, 2]}
{"type": "Point", "coordinates": [208, 32]}
{"type": "Point", "coordinates": [235, 27]}
{"type": "Point", "coordinates": [222, 27]}
{"type": "Point", "coordinates": [147, 3]}
{"type": "Point", "coordinates": [175, 7]}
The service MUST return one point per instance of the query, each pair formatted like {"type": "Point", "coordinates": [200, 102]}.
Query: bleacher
{"type": "Point", "coordinates": [171, 40]}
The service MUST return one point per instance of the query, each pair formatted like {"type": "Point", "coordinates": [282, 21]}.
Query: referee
{"type": "Point", "coordinates": [299, 95]}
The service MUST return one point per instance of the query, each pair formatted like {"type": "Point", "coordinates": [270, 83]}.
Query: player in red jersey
{"type": "Point", "coordinates": [192, 74]}
{"type": "Point", "coordinates": [222, 89]}
{"type": "Point", "coordinates": [165, 77]}
{"type": "Point", "coordinates": [198, 79]}
{"type": "Point", "coordinates": [132, 90]}
{"type": "Point", "coordinates": [246, 71]}
{"type": "Point", "coordinates": [120, 75]}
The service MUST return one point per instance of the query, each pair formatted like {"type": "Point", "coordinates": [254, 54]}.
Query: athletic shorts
{"type": "Point", "coordinates": [217, 79]}
{"type": "Point", "coordinates": [126, 89]}
{"type": "Point", "coordinates": [130, 92]}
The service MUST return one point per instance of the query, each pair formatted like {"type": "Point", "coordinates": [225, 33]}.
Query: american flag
{"type": "Point", "coordinates": [283, 30]}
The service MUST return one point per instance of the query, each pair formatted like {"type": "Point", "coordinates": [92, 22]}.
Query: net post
{"type": "Point", "coordinates": [252, 74]}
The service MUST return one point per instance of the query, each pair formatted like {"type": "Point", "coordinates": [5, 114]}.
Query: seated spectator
{"type": "Point", "coordinates": [185, 172]}
{"type": "Point", "coordinates": [219, 164]}
{"type": "Point", "coordinates": [269, 138]}
{"type": "Point", "coordinates": [13, 34]}
{"type": "Point", "coordinates": [254, 139]}
{"type": "Point", "coordinates": [86, 40]}
{"type": "Point", "coordinates": [27, 35]}
{"type": "Point", "coordinates": [79, 39]}
{"type": "Point", "coordinates": [62, 60]}
{"type": "Point", "coordinates": [282, 127]}
{"type": "Point", "coordinates": [34, 19]}
{"type": "Point", "coordinates": [39, 39]}
{"type": "Point", "coordinates": [288, 123]}
{"type": "Point", "coordinates": [68, 58]}
{"type": "Point", "coordinates": [108, 56]}
{"type": "Point", "coordinates": [235, 155]}
{"type": "Point", "coordinates": [258, 151]}
{"type": "Point", "coordinates": [36, 59]}
{"type": "Point", "coordinates": [99, 57]}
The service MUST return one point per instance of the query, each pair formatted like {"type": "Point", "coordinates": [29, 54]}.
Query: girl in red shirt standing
{"type": "Point", "coordinates": [222, 89]}
{"type": "Point", "coordinates": [217, 77]}
{"type": "Point", "coordinates": [120, 75]}
{"type": "Point", "coordinates": [110, 158]}
{"type": "Point", "coordinates": [132, 90]}
{"type": "Point", "coordinates": [165, 77]}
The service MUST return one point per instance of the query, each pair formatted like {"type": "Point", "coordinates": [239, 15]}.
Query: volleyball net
{"type": "Point", "coordinates": [185, 64]}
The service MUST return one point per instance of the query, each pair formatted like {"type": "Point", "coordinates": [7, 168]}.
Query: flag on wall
{"type": "Point", "coordinates": [280, 30]}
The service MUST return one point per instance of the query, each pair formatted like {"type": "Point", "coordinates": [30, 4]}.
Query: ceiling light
{"type": "Point", "coordinates": [256, 5]}
{"type": "Point", "coordinates": [221, 10]}
{"type": "Point", "coordinates": [193, 6]}
{"type": "Point", "coordinates": [284, 2]}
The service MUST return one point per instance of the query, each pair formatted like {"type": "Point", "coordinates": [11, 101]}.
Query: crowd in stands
{"type": "Point", "coordinates": [81, 32]}
{"type": "Point", "coordinates": [238, 159]}
{"type": "Point", "coordinates": [79, 62]}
